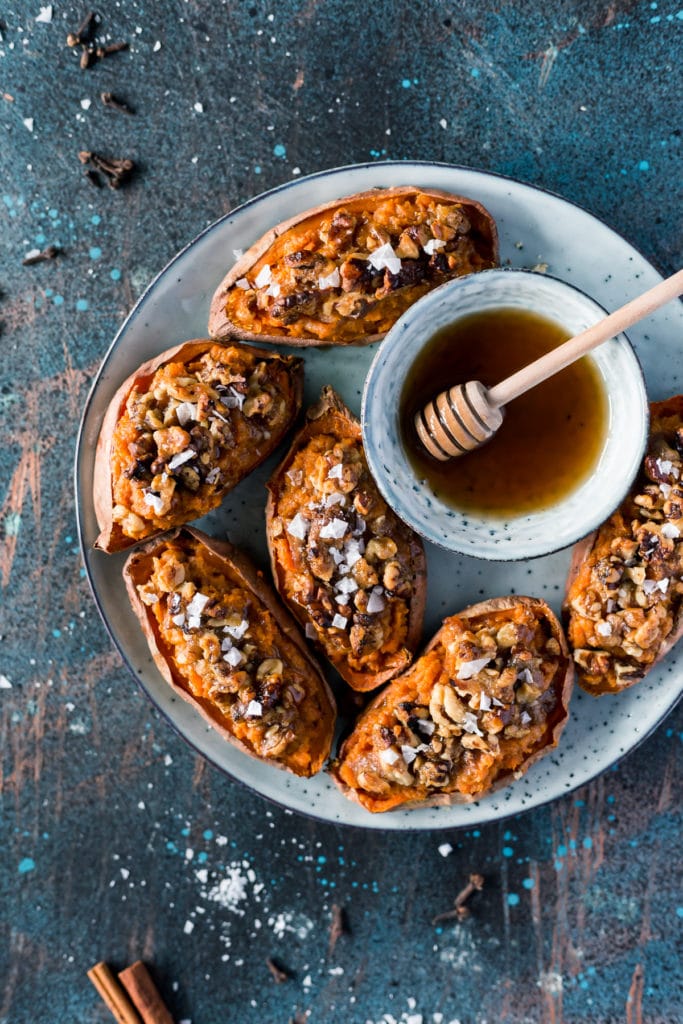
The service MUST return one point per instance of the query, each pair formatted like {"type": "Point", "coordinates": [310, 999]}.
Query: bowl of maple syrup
{"type": "Point", "coordinates": [567, 450]}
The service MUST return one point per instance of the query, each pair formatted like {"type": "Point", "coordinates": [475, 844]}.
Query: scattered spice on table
{"type": "Point", "coordinates": [134, 998]}
{"type": "Point", "coordinates": [278, 972]}
{"type": "Point", "coordinates": [84, 36]}
{"type": "Point", "coordinates": [85, 32]}
{"type": "Point", "coordinates": [41, 256]}
{"type": "Point", "coordinates": [116, 172]}
{"type": "Point", "coordinates": [337, 927]}
{"type": "Point", "coordinates": [460, 911]}
{"type": "Point", "coordinates": [144, 994]}
{"type": "Point", "coordinates": [109, 100]}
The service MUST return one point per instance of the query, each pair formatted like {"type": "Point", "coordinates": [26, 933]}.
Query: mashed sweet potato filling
{"type": "Point", "coordinates": [226, 649]}
{"type": "Point", "coordinates": [625, 602]}
{"type": "Point", "coordinates": [352, 271]}
{"type": "Point", "coordinates": [191, 431]}
{"type": "Point", "coordinates": [345, 558]}
{"type": "Point", "coordinates": [473, 708]}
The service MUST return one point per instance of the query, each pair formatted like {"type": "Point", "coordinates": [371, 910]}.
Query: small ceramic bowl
{"type": "Point", "coordinates": [526, 535]}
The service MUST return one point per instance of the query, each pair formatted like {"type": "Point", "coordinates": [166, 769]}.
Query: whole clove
{"type": "Point", "coordinates": [50, 253]}
{"type": "Point", "coordinates": [106, 51]}
{"type": "Point", "coordinates": [279, 975]}
{"type": "Point", "coordinates": [110, 100]}
{"type": "Point", "coordinates": [117, 172]}
{"type": "Point", "coordinates": [84, 33]}
{"type": "Point", "coordinates": [460, 911]}
{"type": "Point", "coordinates": [337, 927]}
{"type": "Point", "coordinates": [87, 57]}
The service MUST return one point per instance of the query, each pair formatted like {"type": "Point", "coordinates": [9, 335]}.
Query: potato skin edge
{"type": "Point", "coordinates": [223, 328]}
{"type": "Point", "coordinates": [253, 581]}
{"type": "Point", "coordinates": [330, 409]}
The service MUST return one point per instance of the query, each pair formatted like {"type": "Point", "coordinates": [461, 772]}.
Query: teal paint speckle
{"type": "Point", "coordinates": [115, 274]}
{"type": "Point", "coordinates": [475, 72]}
{"type": "Point", "coordinates": [82, 305]}
{"type": "Point", "coordinates": [679, 911]}
{"type": "Point", "coordinates": [95, 219]}
{"type": "Point", "coordinates": [588, 843]}
{"type": "Point", "coordinates": [54, 214]}
{"type": "Point", "coordinates": [208, 834]}
{"type": "Point", "coordinates": [280, 150]}
{"type": "Point", "coordinates": [508, 851]}
{"type": "Point", "coordinates": [8, 201]}
{"type": "Point", "coordinates": [58, 300]}
{"type": "Point", "coordinates": [257, 169]}
{"type": "Point", "coordinates": [513, 899]}
{"type": "Point", "coordinates": [562, 850]}
{"type": "Point", "coordinates": [406, 83]}
{"type": "Point", "coordinates": [56, 633]}
{"type": "Point", "coordinates": [528, 883]}
{"type": "Point", "coordinates": [643, 165]}
{"type": "Point", "coordinates": [40, 239]}
{"type": "Point", "coordinates": [95, 252]}
{"type": "Point", "coordinates": [26, 864]}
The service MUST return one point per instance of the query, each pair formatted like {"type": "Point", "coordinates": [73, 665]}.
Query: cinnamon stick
{"type": "Point", "coordinates": [144, 994]}
{"type": "Point", "coordinates": [113, 994]}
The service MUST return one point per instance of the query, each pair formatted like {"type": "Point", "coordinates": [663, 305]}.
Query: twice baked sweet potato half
{"type": "Point", "coordinates": [487, 698]}
{"type": "Point", "coordinates": [222, 640]}
{"type": "Point", "coordinates": [623, 604]}
{"type": "Point", "coordinates": [183, 430]}
{"type": "Point", "coordinates": [351, 572]}
{"type": "Point", "coordinates": [343, 273]}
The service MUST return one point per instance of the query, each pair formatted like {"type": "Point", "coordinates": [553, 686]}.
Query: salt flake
{"type": "Point", "coordinates": [181, 458]}
{"type": "Point", "coordinates": [339, 621]}
{"type": "Point", "coordinates": [383, 257]}
{"type": "Point", "coordinates": [332, 280]}
{"type": "Point", "coordinates": [445, 849]}
{"type": "Point", "coordinates": [433, 245]}
{"type": "Point", "coordinates": [334, 530]}
{"type": "Point", "coordinates": [298, 527]}
{"type": "Point", "coordinates": [255, 709]}
{"type": "Point", "coordinates": [263, 277]}
{"type": "Point", "coordinates": [469, 669]}
{"type": "Point", "coordinates": [45, 15]}
{"type": "Point", "coordinates": [670, 531]}
{"type": "Point", "coordinates": [389, 756]}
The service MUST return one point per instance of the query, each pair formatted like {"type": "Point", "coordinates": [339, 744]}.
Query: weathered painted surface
{"type": "Point", "coordinates": [117, 841]}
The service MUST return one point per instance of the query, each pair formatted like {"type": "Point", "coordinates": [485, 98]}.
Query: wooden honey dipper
{"type": "Point", "coordinates": [467, 415]}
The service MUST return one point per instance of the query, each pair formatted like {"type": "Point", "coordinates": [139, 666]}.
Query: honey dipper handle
{"type": "Point", "coordinates": [556, 360]}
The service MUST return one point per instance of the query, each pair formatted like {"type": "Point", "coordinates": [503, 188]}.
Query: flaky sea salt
{"type": "Point", "coordinates": [470, 724]}
{"type": "Point", "coordinates": [242, 284]}
{"type": "Point", "coordinates": [332, 280]}
{"type": "Point", "coordinates": [181, 458]}
{"type": "Point", "coordinates": [670, 531]}
{"type": "Point", "coordinates": [255, 709]}
{"type": "Point", "coordinates": [376, 602]}
{"type": "Point", "coordinates": [263, 277]}
{"type": "Point", "coordinates": [339, 621]}
{"type": "Point", "coordinates": [186, 412]}
{"type": "Point", "coordinates": [298, 527]}
{"type": "Point", "coordinates": [389, 756]}
{"type": "Point", "coordinates": [385, 257]}
{"type": "Point", "coordinates": [334, 530]}
{"type": "Point", "coordinates": [155, 502]}
{"type": "Point", "coordinates": [433, 245]}
{"type": "Point", "coordinates": [469, 669]}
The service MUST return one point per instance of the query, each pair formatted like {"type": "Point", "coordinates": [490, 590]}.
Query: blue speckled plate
{"type": "Point", "coordinates": [535, 227]}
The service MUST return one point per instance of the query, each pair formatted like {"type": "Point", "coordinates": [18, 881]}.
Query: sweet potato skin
{"type": "Point", "coordinates": [391, 694]}
{"type": "Point", "coordinates": [235, 564]}
{"type": "Point", "coordinates": [331, 416]}
{"type": "Point", "coordinates": [111, 537]}
{"type": "Point", "coordinates": [588, 550]}
{"type": "Point", "coordinates": [222, 326]}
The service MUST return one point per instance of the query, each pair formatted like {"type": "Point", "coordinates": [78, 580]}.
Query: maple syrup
{"type": "Point", "coordinates": [551, 437]}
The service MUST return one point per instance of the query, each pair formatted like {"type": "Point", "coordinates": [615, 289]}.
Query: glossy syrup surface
{"type": "Point", "coordinates": [551, 437]}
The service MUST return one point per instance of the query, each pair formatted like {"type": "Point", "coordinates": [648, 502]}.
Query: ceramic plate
{"type": "Point", "coordinates": [535, 227]}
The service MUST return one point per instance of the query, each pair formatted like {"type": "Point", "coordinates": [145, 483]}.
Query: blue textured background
{"type": "Point", "coordinates": [117, 841]}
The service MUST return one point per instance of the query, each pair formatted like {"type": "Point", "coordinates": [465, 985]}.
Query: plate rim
{"type": "Point", "coordinates": [374, 822]}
